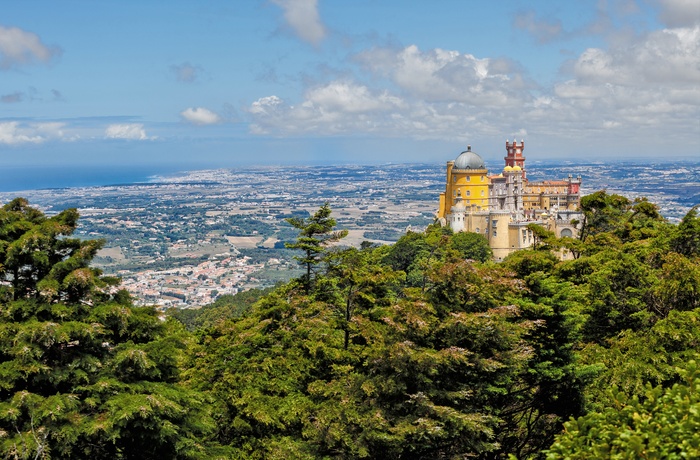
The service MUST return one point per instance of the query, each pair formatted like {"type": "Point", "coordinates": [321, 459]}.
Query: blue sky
{"type": "Point", "coordinates": [227, 83]}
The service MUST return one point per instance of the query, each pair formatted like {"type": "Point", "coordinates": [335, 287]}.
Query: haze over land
{"type": "Point", "coordinates": [220, 84]}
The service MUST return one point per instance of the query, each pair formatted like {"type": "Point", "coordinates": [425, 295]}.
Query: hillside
{"type": "Point", "coordinates": [421, 349]}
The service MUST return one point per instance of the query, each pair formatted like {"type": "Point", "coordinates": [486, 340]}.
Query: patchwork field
{"type": "Point", "coordinates": [245, 242]}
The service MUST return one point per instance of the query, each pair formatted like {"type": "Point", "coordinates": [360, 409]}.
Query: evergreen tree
{"type": "Point", "coordinates": [315, 233]}
{"type": "Point", "coordinates": [366, 365]}
{"type": "Point", "coordinates": [660, 423]}
{"type": "Point", "coordinates": [686, 241]}
{"type": "Point", "coordinates": [83, 373]}
{"type": "Point", "coordinates": [471, 245]}
{"type": "Point", "coordinates": [602, 213]}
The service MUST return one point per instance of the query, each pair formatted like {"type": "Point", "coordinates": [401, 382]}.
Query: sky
{"type": "Point", "coordinates": [224, 83]}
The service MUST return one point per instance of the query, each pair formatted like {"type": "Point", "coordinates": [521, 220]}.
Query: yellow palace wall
{"type": "Point", "coordinates": [471, 184]}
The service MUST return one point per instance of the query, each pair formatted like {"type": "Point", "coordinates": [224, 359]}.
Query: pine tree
{"type": "Point", "coordinates": [83, 373]}
{"type": "Point", "coordinates": [315, 233]}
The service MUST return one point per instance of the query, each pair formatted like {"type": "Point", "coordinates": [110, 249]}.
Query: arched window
{"type": "Point", "coordinates": [567, 232]}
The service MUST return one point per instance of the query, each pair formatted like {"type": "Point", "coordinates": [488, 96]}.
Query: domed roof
{"type": "Point", "coordinates": [517, 168]}
{"type": "Point", "coordinates": [469, 160]}
{"type": "Point", "coordinates": [508, 169]}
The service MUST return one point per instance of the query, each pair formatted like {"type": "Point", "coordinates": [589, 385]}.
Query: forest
{"type": "Point", "coordinates": [424, 349]}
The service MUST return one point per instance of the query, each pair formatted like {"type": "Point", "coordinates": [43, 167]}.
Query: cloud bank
{"type": "Point", "coordinates": [16, 133]}
{"type": "Point", "coordinates": [200, 116]}
{"type": "Point", "coordinates": [647, 82]}
{"type": "Point", "coordinates": [679, 13]}
{"type": "Point", "coordinates": [129, 131]}
{"type": "Point", "coordinates": [19, 47]}
{"type": "Point", "coordinates": [303, 18]}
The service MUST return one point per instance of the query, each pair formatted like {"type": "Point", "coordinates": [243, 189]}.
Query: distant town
{"type": "Point", "coordinates": [184, 240]}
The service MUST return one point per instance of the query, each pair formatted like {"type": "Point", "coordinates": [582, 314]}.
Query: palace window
{"type": "Point", "coordinates": [469, 178]}
{"type": "Point", "coordinates": [469, 192]}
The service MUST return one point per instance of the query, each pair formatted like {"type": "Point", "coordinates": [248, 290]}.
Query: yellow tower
{"type": "Point", "coordinates": [466, 179]}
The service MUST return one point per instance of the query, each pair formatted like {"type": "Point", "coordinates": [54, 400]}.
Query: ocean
{"type": "Point", "coordinates": [20, 178]}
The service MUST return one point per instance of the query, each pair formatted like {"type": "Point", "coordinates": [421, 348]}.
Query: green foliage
{"type": "Point", "coordinates": [602, 213]}
{"type": "Point", "coordinates": [409, 382]}
{"type": "Point", "coordinates": [686, 240]}
{"type": "Point", "coordinates": [417, 253]}
{"type": "Point", "coordinates": [660, 423]}
{"type": "Point", "coordinates": [423, 349]}
{"type": "Point", "coordinates": [224, 307]}
{"type": "Point", "coordinates": [418, 350]}
{"type": "Point", "coordinates": [315, 233]}
{"type": "Point", "coordinates": [471, 246]}
{"type": "Point", "coordinates": [543, 238]}
{"type": "Point", "coordinates": [526, 262]}
{"type": "Point", "coordinates": [632, 360]}
{"type": "Point", "coordinates": [84, 374]}
{"type": "Point", "coordinates": [40, 261]}
{"type": "Point", "coordinates": [364, 365]}
{"type": "Point", "coordinates": [617, 290]}
{"type": "Point", "coordinates": [406, 250]}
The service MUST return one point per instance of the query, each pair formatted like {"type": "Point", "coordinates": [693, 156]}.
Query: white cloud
{"type": "Point", "coordinates": [14, 132]}
{"type": "Point", "coordinates": [679, 13]}
{"type": "Point", "coordinates": [11, 133]}
{"type": "Point", "coordinates": [639, 84]}
{"type": "Point", "coordinates": [130, 131]}
{"type": "Point", "coordinates": [200, 116]}
{"type": "Point", "coordinates": [265, 105]}
{"type": "Point", "coordinates": [648, 85]}
{"type": "Point", "coordinates": [335, 108]}
{"type": "Point", "coordinates": [430, 94]}
{"type": "Point", "coordinates": [350, 98]}
{"type": "Point", "coordinates": [665, 57]}
{"type": "Point", "coordinates": [19, 47]}
{"type": "Point", "coordinates": [441, 75]}
{"type": "Point", "coordinates": [302, 16]}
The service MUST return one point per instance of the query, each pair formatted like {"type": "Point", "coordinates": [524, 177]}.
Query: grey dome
{"type": "Point", "coordinates": [469, 160]}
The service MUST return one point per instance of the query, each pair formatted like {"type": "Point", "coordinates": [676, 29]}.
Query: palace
{"type": "Point", "coordinates": [501, 206]}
